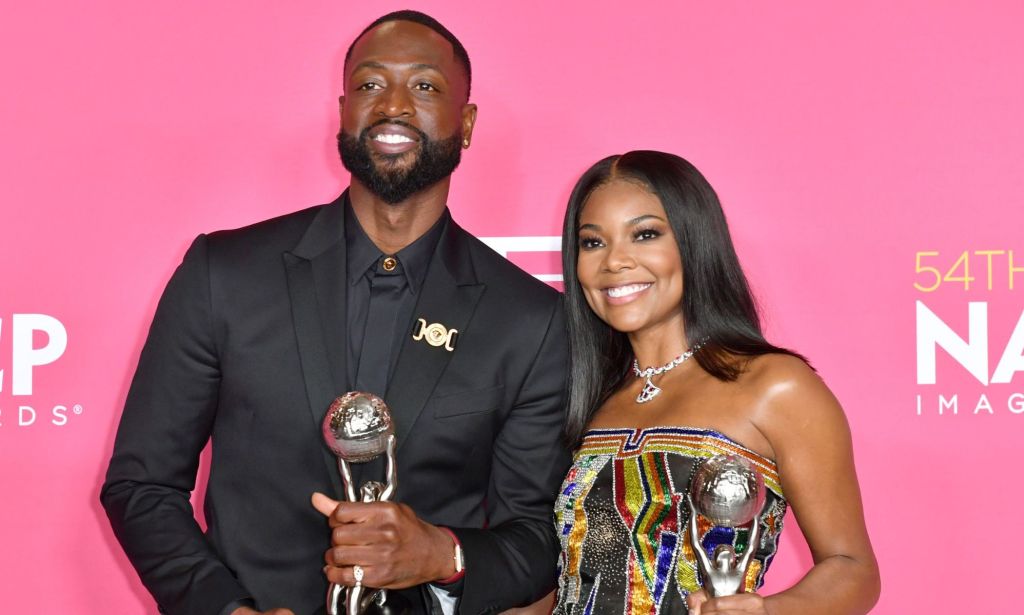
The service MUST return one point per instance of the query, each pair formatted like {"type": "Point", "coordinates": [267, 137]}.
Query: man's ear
{"type": "Point", "coordinates": [468, 121]}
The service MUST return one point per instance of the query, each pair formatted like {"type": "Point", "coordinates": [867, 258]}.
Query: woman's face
{"type": "Point", "coordinates": [629, 265]}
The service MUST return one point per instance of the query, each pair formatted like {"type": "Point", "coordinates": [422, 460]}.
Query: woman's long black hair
{"type": "Point", "coordinates": [718, 308]}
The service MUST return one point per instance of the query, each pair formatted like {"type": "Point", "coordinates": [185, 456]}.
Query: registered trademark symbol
{"type": "Point", "coordinates": [77, 409]}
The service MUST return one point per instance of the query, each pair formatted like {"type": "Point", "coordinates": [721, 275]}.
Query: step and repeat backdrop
{"type": "Point", "coordinates": [870, 157]}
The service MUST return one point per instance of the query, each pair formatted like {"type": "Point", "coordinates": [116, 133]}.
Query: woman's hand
{"type": "Point", "coordinates": [740, 604]}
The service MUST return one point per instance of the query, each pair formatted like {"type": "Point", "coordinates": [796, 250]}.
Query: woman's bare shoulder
{"type": "Point", "coordinates": [788, 397]}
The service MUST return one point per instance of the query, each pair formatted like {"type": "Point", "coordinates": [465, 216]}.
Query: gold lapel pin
{"type": "Point", "coordinates": [436, 334]}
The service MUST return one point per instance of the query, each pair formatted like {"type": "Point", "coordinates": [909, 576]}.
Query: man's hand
{"type": "Point", "coordinates": [244, 610]}
{"type": "Point", "coordinates": [388, 541]}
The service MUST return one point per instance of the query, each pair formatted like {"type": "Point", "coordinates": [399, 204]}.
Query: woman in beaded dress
{"type": "Point", "coordinates": [651, 280]}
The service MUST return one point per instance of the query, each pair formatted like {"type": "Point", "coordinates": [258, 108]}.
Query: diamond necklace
{"type": "Point", "coordinates": [650, 391]}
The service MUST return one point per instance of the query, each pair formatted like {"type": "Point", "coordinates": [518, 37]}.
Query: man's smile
{"type": "Point", "coordinates": [392, 138]}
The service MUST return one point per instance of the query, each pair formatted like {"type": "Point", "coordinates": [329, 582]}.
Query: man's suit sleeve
{"type": "Point", "coordinates": [513, 562]}
{"type": "Point", "coordinates": [167, 421]}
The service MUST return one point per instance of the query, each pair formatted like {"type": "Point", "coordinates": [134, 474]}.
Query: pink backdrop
{"type": "Point", "coordinates": [843, 140]}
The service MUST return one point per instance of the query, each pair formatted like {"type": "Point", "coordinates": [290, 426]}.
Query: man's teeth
{"type": "Point", "coordinates": [388, 138]}
{"type": "Point", "coordinates": [622, 291]}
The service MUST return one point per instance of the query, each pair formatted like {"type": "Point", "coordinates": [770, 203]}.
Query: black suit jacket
{"type": "Point", "coordinates": [247, 348]}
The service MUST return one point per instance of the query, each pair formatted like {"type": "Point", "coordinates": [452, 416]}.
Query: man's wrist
{"type": "Point", "coordinates": [455, 565]}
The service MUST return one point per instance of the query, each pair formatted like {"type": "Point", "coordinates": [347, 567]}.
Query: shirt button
{"type": "Point", "coordinates": [389, 264]}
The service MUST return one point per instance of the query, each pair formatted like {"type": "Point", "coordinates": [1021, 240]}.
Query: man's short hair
{"type": "Point", "coordinates": [424, 20]}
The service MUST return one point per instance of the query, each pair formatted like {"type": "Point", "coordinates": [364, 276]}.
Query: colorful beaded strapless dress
{"type": "Point", "coordinates": [623, 521]}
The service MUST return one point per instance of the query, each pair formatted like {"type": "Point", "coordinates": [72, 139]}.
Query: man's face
{"type": "Point", "coordinates": [404, 115]}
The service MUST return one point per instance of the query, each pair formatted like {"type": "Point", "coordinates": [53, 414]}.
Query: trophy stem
{"type": "Point", "coordinates": [333, 595]}
{"type": "Point", "coordinates": [345, 470]}
{"type": "Point", "coordinates": [353, 602]}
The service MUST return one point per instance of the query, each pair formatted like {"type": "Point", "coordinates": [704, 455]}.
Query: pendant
{"type": "Point", "coordinates": [648, 393]}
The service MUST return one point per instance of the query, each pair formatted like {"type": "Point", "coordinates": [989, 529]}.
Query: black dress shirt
{"type": "Point", "coordinates": [365, 262]}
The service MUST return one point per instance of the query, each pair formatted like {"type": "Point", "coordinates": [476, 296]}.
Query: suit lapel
{"type": "Point", "coordinates": [449, 296]}
{"type": "Point", "coordinates": [316, 286]}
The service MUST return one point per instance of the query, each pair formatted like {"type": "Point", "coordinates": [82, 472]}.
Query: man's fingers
{"type": "Point", "coordinates": [345, 512]}
{"type": "Point", "coordinates": [362, 512]}
{"type": "Point", "coordinates": [347, 556]}
{"type": "Point", "coordinates": [345, 575]}
{"type": "Point", "coordinates": [350, 534]}
{"type": "Point", "coordinates": [325, 505]}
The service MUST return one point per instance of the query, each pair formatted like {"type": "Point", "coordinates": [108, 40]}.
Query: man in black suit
{"type": "Point", "coordinates": [260, 328]}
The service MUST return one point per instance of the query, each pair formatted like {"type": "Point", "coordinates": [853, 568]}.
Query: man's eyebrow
{"type": "Point", "coordinates": [367, 64]}
{"type": "Point", "coordinates": [417, 65]}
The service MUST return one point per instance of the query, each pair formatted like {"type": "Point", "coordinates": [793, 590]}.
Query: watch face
{"type": "Point", "coordinates": [459, 565]}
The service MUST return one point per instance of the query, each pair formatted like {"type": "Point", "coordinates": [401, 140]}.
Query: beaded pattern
{"type": "Point", "coordinates": [621, 518]}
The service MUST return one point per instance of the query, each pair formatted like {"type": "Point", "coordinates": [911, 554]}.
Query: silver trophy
{"type": "Point", "coordinates": [358, 428]}
{"type": "Point", "coordinates": [729, 492]}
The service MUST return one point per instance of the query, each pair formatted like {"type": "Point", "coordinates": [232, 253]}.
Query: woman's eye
{"type": "Point", "coordinates": [589, 243]}
{"type": "Point", "coordinates": [647, 234]}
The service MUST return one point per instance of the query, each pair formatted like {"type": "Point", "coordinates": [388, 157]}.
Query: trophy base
{"type": "Point", "coordinates": [375, 602]}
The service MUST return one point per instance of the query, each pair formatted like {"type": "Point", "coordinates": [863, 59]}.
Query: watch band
{"type": "Point", "coordinates": [460, 564]}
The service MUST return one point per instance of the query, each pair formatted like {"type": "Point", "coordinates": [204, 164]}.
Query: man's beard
{"type": "Point", "coordinates": [393, 184]}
